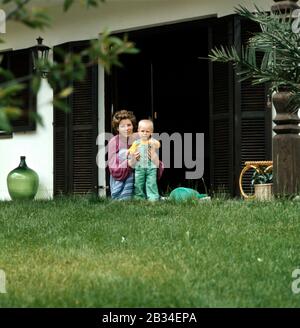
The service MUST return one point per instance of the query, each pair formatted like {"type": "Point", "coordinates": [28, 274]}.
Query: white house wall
{"type": "Point", "coordinates": [37, 146]}
{"type": "Point", "coordinates": [81, 24]}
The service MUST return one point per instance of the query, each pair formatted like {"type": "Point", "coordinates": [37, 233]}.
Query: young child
{"type": "Point", "coordinates": [145, 183]}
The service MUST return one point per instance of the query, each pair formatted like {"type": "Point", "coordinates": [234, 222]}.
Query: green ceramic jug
{"type": "Point", "coordinates": [22, 182]}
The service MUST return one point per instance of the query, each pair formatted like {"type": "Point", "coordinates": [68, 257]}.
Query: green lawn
{"type": "Point", "coordinates": [87, 253]}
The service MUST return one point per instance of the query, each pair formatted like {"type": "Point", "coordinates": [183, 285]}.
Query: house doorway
{"type": "Point", "coordinates": [168, 82]}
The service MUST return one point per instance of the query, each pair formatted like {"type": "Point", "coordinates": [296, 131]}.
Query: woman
{"type": "Point", "coordinates": [120, 167]}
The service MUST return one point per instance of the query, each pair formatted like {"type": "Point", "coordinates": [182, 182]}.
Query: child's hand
{"type": "Point", "coordinates": [137, 155]}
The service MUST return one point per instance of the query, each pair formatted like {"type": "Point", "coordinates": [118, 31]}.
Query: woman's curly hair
{"type": "Point", "coordinates": [122, 115]}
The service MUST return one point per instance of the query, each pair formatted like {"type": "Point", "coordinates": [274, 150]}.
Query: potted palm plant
{"type": "Point", "coordinates": [278, 44]}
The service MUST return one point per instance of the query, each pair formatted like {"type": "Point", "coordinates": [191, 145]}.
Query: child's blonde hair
{"type": "Point", "coordinates": [146, 121]}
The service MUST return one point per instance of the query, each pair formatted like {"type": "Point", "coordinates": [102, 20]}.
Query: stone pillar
{"type": "Point", "coordinates": [286, 147]}
{"type": "Point", "coordinates": [284, 5]}
{"type": "Point", "coordinates": [286, 142]}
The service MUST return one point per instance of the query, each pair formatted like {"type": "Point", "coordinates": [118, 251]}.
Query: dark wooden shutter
{"type": "Point", "coordinates": [84, 131]}
{"type": "Point", "coordinates": [254, 134]}
{"type": "Point", "coordinates": [75, 135]}
{"type": "Point", "coordinates": [60, 148]}
{"type": "Point", "coordinates": [221, 82]}
{"type": "Point", "coordinates": [240, 123]}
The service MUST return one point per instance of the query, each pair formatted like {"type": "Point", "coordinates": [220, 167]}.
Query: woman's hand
{"type": "Point", "coordinates": [133, 159]}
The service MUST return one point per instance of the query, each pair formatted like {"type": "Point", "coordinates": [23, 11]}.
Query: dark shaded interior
{"type": "Point", "coordinates": [167, 82]}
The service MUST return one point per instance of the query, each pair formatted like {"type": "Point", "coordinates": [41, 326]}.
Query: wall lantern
{"type": "Point", "coordinates": [40, 54]}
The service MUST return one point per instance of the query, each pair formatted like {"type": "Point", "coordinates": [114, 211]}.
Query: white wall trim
{"type": "Point", "coordinates": [165, 23]}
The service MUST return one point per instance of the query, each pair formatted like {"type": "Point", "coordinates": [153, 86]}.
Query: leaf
{"type": "Point", "coordinates": [36, 83]}
{"type": "Point", "coordinates": [12, 112]}
{"type": "Point", "coordinates": [11, 89]}
{"type": "Point", "coordinates": [36, 117]}
{"type": "Point", "coordinates": [132, 51]}
{"type": "Point", "coordinates": [65, 92]}
{"type": "Point", "coordinates": [59, 104]}
{"type": "Point", "coordinates": [67, 4]}
{"type": "Point", "coordinates": [260, 176]}
{"type": "Point", "coordinates": [6, 74]}
{"type": "Point", "coordinates": [4, 122]}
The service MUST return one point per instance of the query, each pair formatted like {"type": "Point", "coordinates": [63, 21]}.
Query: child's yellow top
{"type": "Point", "coordinates": [151, 142]}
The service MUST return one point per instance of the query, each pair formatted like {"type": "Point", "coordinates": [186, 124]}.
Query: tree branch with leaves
{"type": "Point", "coordinates": [106, 51]}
